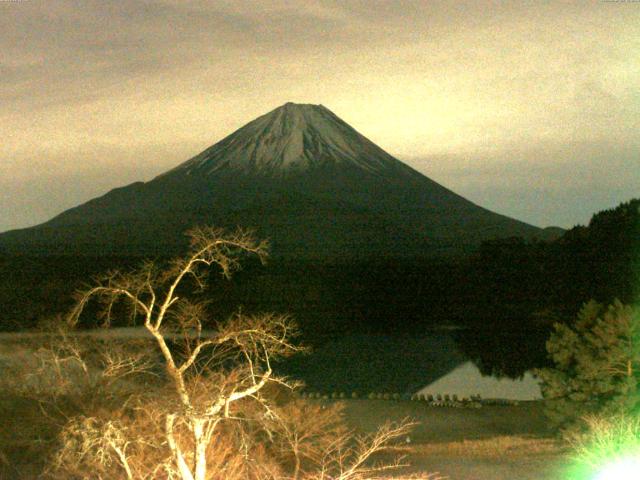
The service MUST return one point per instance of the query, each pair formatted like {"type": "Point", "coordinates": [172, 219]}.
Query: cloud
{"type": "Point", "coordinates": [546, 184]}
{"type": "Point", "coordinates": [458, 79]}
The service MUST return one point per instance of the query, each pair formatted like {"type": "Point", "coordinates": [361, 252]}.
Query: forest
{"type": "Point", "coordinates": [509, 291]}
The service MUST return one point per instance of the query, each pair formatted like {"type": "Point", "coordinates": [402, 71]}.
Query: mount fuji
{"type": "Point", "coordinates": [301, 177]}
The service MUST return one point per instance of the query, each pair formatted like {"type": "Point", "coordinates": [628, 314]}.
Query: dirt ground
{"type": "Point", "coordinates": [488, 443]}
{"type": "Point", "coordinates": [515, 463]}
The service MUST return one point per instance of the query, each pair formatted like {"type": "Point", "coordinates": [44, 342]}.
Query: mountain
{"type": "Point", "coordinates": [291, 140]}
{"type": "Point", "coordinates": [301, 177]}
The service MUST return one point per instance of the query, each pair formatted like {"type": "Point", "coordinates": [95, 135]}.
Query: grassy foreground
{"type": "Point", "coordinates": [489, 443]}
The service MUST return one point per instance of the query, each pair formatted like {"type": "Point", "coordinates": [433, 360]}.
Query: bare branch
{"type": "Point", "coordinates": [214, 407]}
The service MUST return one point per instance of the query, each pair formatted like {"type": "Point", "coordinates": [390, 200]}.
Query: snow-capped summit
{"type": "Point", "coordinates": [292, 138]}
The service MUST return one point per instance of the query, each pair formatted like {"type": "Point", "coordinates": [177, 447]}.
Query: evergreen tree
{"type": "Point", "coordinates": [597, 364]}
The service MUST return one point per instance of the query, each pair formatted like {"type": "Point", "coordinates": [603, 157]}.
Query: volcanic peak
{"type": "Point", "coordinates": [292, 138]}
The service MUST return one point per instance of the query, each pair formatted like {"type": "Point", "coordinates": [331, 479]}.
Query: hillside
{"type": "Point", "coordinates": [301, 177]}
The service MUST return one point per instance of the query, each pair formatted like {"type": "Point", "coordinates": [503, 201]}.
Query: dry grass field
{"type": "Point", "coordinates": [500, 458]}
{"type": "Point", "coordinates": [488, 443]}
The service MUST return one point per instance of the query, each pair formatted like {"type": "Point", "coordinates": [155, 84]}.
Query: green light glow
{"type": "Point", "coordinates": [610, 450]}
{"type": "Point", "coordinates": [622, 469]}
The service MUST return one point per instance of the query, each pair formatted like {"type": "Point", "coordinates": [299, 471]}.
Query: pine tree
{"type": "Point", "coordinates": [597, 364]}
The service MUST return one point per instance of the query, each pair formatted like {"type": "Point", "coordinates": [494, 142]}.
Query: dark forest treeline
{"type": "Point", "coordinates": [521, 288]}
{"type": "Point", "coordinates": [509, 291]}
{"type": "Point", "coordinates": [599, 261]}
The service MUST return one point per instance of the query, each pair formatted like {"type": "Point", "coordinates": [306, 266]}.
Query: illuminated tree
{"type": "Point", "coordinates": [211, 411]}
{"type": "Point", "coordinates": [201, 395]}
{"type": "Point", "coordinates": [597, 364]}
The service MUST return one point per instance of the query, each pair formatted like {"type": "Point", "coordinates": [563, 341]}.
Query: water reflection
{"type": "Point", "coordinates": [407, 363]}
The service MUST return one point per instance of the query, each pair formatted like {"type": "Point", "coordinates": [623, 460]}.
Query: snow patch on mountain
{"type": "Point", "coordinates": [292, 138]}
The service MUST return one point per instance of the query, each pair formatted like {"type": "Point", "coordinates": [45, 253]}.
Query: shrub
{"type": "Point", "coordinates": [596, 365]}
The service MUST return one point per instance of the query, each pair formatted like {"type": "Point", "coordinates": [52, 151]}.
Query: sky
{"type": "Point", "coordinates": [528, 108]}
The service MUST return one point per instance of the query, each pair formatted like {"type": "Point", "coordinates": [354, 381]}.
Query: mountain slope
{"type": "Point", "coordinates": [302, 177]}
{"type": "Point", "coordinates": [291, 139]}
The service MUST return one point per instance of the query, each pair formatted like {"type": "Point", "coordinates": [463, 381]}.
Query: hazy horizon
{"type": "Point", "coordinates": [529, 110]}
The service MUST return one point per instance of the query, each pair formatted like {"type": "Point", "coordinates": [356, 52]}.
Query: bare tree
{"type": "Point", "coordinates": [214, 409]}
{"type": "Point", "coordinates": [304, 431]}
{"type": "Point", "coordinates": [209, 370]}
{"type": "Point", "coordinates": [322, 448]}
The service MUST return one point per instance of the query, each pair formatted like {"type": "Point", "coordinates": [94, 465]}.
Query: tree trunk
{"type": "Point", "coordinates": [296, 471]}
{"type": "Point", "coordinates": [200, 449]}
{"type": "Point", "coordinates": [178, 457]}
{"type": "Point", "coordinates": [123, 460]}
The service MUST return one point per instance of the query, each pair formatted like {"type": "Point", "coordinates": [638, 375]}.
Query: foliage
{"type": "Point", "coordinates": [183, 397]}
{"type": "Point", "coordinates": [596, 364]}
{"type": "Point", "coordinates": [581, 262]}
